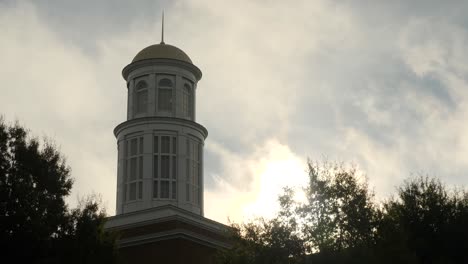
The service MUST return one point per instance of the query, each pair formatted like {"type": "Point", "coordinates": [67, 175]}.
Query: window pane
{"type": "Point", "coordinates": [174, 145]}
{"type": "Point", "coordinates": [155, 189]}
{"type": "Point", "coordinates": [165, 100]}
{"type": "Point", "coordinates": [174, 190]}
{"type": "Point", "coordinates": [127, 149]}
{"type": "Point", "coordinates": [133, 147]}
{"type": "Point", "coordinates": [156, 144]}
{"type": "Point", "coordinates": [141, 101]}
{"type": "Point", "coordinates": [196, 196]}
{"type": "Point", "coordinates": [174, 167]}
{"type": "Point", "coordinates": [185, 107]}
{"type": "Point", "coordinates": [186, 101]}
{"type": "Point", "coordinates": [140, 167]}
{"type": "Point", "coordinates": [125, 195]}
{"type": "Point", "coordinates": [132, 191]}
{"type": "Point", "coordinates": [164, 189]}
{"type": "Point", "coordinates": [133, 168]}
{"type": "Point", "coordinates": [165, 144]}
{"type": "Point", "coordinates": [192, 150]}
{"type": "Point", "coordinates": [127, 171]}
{"type": "Point", "coordinates": [195, 151]}
{"type": "Point", "coordinates": [190, 106]}
{"type": "Point", "coordinates": [140, 190]}
{"type": "Point", "coordinates": [156, 167]}
{"type": "Point", "coordinates": [197, 176]}
{"type": "Point", "coordinates": [141, 145]}
{"type": "Point", "coordinates": [187, 192]}
{"type": "Point", "coordinates": [185, 104]}
{"type": "Point", "coordinates": [187, 170]}
{"type": "Point", "coordinates": [200, 152]}
{"type": "Point", "coordinates": [165, 166]}
{"type": "Point", "coordinates": [193, 195]}
{"type": "Point", "coordinates": [141, 85]}
{"type": "Point", "coordinates": [165, 82]}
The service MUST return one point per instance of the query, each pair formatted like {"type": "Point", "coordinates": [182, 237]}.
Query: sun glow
{"type": "Point", "coordinates": [269, 169]}
{"type": "Point", "coordinates": [282, 169]}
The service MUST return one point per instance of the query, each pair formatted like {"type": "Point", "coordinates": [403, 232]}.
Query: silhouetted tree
{"type": "Point", "coordinates": [35, 223]}
{"type": "Point", "coordinates": [85, 240]}
{"type": "Point", "coordinates": [263, 241]}
{"type": "Point", "coordinates": [341, 223]}
{"type": "Point", "coordinates": [426, 224]}
{"type": "Point", "coordinates": [338, 215]}
{"type": "Point", "coordinates": [339, 212]}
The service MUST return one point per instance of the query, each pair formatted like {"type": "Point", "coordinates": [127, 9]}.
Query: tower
{"type": "Point", "coordinates": [160, 146]}
{"type": "Point", "coordinates": [159, 209]}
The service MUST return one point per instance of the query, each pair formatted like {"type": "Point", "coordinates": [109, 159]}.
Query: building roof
{"type": "Point", "coordinates": [167, 222]}
{"type": "Point", "coordinates": [162, 51]}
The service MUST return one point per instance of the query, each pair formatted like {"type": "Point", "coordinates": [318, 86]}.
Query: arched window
{"type": "Point", "coordinates": [141, 98]}
{"type": "Point", "coordinates": [165, 95]}
{"type": "Point", "coordinates": [187, 108]}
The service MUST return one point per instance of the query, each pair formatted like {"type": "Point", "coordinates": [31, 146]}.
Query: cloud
{"type": "Point", "coordinates": [271, 166]}
{"type": "Point", "coordinates": [380, 84]}
{"type": "Point", "coordinates": [54, 90]}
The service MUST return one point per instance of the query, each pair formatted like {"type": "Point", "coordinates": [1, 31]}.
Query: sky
{"type": "Point", "coordinates": [378, 84]}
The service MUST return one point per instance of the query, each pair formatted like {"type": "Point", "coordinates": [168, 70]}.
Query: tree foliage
{"type": "Point", "coordinates": [36, 225]}
{"type": "Point", "coordinates": [428, 222]}
{"type": "Point", "coordinates": [339, 211]}
{"type": "Point", "coordinates": [264, 241]}
{"type": "Point", "coordinates": [85, 240]}
{"type": "Point", "coordinates": [340, 222]}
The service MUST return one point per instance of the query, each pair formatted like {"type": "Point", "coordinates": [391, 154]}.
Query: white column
{"type": "Point", "coordinates": [130, 101]}
{"type": "Point", "coordinates": [152, 95]}
{"type": "Point", "coordinates": [201, 178]}
{"type": "Point", "coordinates": [147, 168]}
{"type": "Point", "coordinates": [120, 175]}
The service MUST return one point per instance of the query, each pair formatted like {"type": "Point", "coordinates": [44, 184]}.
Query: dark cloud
{"type": "Point", "coordinates": [84, 23]}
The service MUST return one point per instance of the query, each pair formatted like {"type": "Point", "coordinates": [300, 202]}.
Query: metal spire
{"type": "Point", "coordinates": [162, 30]}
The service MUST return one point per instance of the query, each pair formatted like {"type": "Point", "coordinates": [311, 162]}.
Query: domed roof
{"type": "Point", "coordinates": [162, 51]}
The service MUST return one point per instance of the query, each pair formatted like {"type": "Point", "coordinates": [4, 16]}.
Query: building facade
{"type": "Point", "coordinates": [160, 146]}
{"type": "Point", "coordinates": [159, 205]}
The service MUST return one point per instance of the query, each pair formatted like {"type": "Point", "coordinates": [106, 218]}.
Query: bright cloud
{"type": "Point", "coordinates": [271, 166]}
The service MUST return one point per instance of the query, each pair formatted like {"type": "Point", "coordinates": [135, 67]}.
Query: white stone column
{"type": "Point", "coordinates": [201, 178]}
{"type": "Point", "coordinates": [120, 173]}
{"type": "Point", "coordinates": [147, 168]}
{"type": "Point", "coordinates": [152, 95]}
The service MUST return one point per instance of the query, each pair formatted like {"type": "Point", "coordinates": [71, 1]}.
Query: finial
{"type": "Point", "coordinates": [162, 30]}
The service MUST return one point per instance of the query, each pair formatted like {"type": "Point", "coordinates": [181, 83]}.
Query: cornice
{"type": "Point", "coordinates": [211, 233]}
{"type": "Point", "coordinates": [161, 62]}
{"type": "Point", "coordinates": [160, 120]}
{"type": "Point", "coordinates": [173, 234]}
{"type": "Point", "coordinates": [163, 213]}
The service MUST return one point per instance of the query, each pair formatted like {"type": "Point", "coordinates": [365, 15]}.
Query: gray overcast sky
{"type": "Point", "coordinates": [382, 84]}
